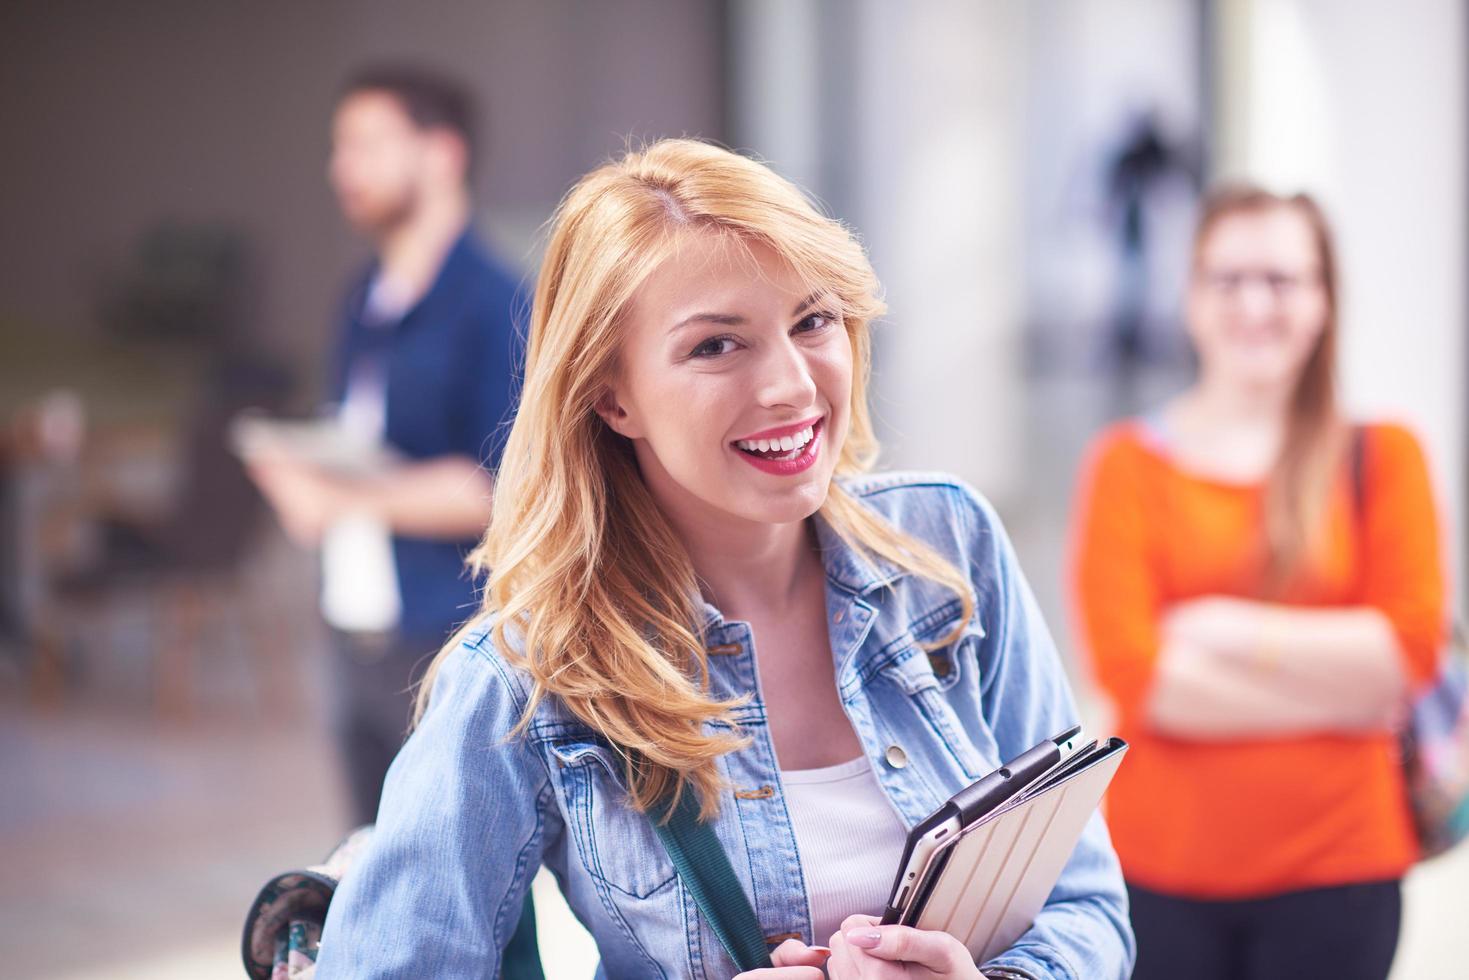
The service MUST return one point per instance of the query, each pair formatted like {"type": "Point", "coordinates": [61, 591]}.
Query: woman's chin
{"type": "Point", "coordinates": [789, 504]}
{"type": "Point", "coordinates": [1262, 375]}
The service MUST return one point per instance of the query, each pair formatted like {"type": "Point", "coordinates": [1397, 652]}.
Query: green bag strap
{"type": "Point", "coordinates": [522, 959]}
{"type": "Point", "coordinates": [706, 872]}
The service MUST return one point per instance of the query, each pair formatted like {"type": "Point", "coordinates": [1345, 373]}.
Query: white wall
{"type": "Point", "coordinates": [941, 92]}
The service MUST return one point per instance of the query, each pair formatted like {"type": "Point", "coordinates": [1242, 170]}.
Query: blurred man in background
{"type": "Point", "coordinates": [422, 380]}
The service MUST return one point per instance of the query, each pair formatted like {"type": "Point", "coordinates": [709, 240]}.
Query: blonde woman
{"type": "Point", "coordinates": [1259, 584]}
{"type": "Point", "coordinates": [693, 588]}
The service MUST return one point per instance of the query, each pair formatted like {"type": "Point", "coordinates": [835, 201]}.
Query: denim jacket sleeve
{"type": "Point", "coordinates": [465, 817]}
{"type": "Point", "coordinates": [1083, 932]}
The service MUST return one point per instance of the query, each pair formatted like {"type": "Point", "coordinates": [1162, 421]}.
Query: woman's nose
{"type": "Point", "coordinates": [785, 377]}
{"type": "Point", "coordinates": [1256, 298]}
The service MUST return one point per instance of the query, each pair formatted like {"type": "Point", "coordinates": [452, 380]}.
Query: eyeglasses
{"type": "Point", "coordinates": [1281, 285]}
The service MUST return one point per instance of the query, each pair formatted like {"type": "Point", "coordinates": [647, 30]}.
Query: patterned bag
{"type": "Point", "coordinates": [1435, 741]}
{"type": "Point", "coordinates": [1436, 756]}
{"type": "Point", "coordinates": [283, 927]}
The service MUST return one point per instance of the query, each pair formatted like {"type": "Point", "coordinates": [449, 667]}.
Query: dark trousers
{"type": "Point", "coordinates": [373, 682]}
{"type": "Point", "coordinates": [1348, 932]}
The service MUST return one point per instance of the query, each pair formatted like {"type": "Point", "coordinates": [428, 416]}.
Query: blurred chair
{"type": "Point", "coordinates": [187, 567]}
{"type": "Point", "coordinates": [37, 442]}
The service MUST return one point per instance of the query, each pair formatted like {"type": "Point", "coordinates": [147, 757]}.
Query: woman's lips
{"type": "Point", "coordinates": [781, 430]}
{"type": "Point", "coordinates": [803, 459]}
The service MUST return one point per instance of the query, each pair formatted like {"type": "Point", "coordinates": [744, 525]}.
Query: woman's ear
{"type": "Point", "coordinates": [618, 419]}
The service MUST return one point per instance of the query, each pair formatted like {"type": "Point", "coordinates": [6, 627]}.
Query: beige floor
{"type": "Point", "coordinates": [132, 849]}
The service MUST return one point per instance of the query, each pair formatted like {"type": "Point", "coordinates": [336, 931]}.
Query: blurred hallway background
{"type": "Point", "coordinates": [171, 253]}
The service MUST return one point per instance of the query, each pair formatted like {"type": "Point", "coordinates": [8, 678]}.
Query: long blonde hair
{"type": "Point", "coordinates": [1298, 491]}
{"type": "Point", "coordinates": [590, 590]}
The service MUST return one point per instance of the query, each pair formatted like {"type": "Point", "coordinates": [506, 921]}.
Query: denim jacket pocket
{"type": "Point", "coordinates": [913, 674]}
{"type": "Point", "coordinates": [617, 844]}
{"type": "Point", "coordinates": [954, 659]}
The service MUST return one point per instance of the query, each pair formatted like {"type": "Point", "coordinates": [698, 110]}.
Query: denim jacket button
{"type": "Point", "coordinates": [896, 757]}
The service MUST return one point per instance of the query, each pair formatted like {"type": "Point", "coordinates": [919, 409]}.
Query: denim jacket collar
{"type": "Point", "coordinates": [850, 569]}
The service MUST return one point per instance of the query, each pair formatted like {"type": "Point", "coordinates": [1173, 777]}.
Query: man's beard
{"type": "Point", "coordinates": [397, 212]}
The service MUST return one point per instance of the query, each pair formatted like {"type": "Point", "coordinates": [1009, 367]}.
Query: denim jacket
{"type": "Point", "coordinates": [469, 814]}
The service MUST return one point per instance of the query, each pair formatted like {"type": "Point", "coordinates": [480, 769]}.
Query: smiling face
{"type": "Point", "coordinates": [734, 383]}
{"type": "Point", "coordinates": [1257, 305]}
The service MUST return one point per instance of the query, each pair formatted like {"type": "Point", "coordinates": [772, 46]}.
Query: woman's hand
{"type": "Point", "coordinates": [793, 960]}
{"type": "Point", "coordinates": [864, 950]}
{"type": "Point", "coordinates": [1218, 624]}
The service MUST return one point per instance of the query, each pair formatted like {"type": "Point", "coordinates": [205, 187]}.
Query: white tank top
{"type": "Point", "coordinates": [849, 839]}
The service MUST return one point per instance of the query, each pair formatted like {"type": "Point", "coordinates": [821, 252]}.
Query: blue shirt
{"type": "Point", "coordinates": [449, 367]}
{"type": "Point", "coordinates": [469, 813]}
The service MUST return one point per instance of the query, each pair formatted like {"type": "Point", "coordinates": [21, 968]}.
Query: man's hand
{"type": "Point", "coordinates": [305, 500]}
{"type": "Point", "coordinates": [864, 950]}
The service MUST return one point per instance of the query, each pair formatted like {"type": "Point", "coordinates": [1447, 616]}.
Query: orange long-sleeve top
{"type": "Point", "coordinates": [1248, 818]}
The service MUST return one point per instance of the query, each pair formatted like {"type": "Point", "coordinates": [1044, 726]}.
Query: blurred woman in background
{"type": "Point", "coordinates": [1259, 584]}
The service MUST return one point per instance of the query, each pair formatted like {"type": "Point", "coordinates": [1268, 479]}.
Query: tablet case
{"type": "Point", "coordinates": [986, 887]}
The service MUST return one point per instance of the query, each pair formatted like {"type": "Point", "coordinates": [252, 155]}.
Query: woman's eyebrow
{"type": "Point", "coordinates": [734, 319]}
{"type": "Point", "coordinates": [808, 301]}
{"type": "Point", "coordinates": [723, 319]}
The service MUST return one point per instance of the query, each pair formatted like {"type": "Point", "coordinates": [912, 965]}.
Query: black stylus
{"type": "Point", "coordinates": [984, 796]}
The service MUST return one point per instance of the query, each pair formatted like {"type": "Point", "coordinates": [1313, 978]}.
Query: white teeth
{"type": "Point", "coordinates": [784, 444]}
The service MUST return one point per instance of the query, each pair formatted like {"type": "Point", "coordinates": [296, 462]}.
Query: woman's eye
{"type": "Point", "coordinates": [814, 322]}
{"type": "Point", "coordinates": [713, 347]}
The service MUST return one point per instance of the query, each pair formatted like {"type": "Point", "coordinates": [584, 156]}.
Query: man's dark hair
{"type": "Point", "coordinates": [431, 100]}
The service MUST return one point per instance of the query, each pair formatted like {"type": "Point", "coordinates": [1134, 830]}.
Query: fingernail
{"type": "Point", "coordinates": [864, 938]}
{"type": "Point", "coordinates": [823, 950]}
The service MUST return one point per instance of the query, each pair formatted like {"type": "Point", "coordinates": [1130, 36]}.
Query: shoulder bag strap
{"type": "Point", "coordinates": [1358, 456]}
{"type": "Point", "coordinates": [706, 872]}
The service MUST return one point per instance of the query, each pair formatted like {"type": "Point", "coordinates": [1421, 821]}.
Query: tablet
{"type": "Point", "coordinates": [983, 796]}
{"type": "Point", "coordinates": [321, 442]}
{"type": "Point", "coordinates": [985, 884]}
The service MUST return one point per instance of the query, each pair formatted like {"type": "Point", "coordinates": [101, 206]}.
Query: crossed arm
{"type": "Point", "coordinates": [1217, 667]}
{"type": "Point", "coordinates": [1232, 668]}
